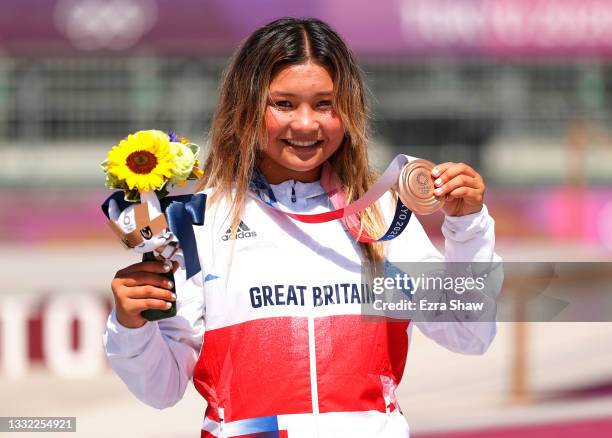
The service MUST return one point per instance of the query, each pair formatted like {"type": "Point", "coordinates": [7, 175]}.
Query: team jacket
{"type": "Point", "coordinates": [271, 335]}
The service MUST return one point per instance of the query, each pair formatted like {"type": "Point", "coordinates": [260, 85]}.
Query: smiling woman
{"type": "Point", "coordinates": [290, 83]}
{"type": "Point", "coordinates": [271, 332]}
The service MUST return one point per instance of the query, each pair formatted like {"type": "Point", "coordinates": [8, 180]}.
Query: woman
{"type": "Point", "coordinates": [271, 332]}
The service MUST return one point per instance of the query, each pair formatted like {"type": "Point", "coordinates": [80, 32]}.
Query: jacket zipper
{"type": "Point", "coordinates": [314, 390]}
{"type": "Point", "coordinates": [293, 197]}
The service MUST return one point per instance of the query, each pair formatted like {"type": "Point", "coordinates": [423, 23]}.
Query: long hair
{"type": "Point", "coordinates": [238, 129]}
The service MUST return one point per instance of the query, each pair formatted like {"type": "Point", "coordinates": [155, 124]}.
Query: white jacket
{"type": "Point", "coordinates": [262, 351]}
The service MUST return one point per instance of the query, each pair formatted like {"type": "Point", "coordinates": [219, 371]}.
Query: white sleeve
{"type": "Point", "coordinates": [156, 361]}
{"type": "Point", "coordinates": [469, 238]}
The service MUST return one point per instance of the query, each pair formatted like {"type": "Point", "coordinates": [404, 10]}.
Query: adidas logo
{"type": "Point", "coordinates": [243, 232]}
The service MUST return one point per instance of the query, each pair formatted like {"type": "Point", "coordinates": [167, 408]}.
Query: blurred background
{"type": "Point", "coordinates": [519, 89]}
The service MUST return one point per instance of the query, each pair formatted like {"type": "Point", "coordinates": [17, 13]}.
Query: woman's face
{"type": "Point", "coordinates": [303, 128]}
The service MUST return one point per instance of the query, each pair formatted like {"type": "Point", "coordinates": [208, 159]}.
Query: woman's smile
{"type": "Point", "coordinates": [302, 143]}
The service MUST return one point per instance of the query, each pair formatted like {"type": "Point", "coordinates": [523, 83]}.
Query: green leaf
{"type": "Point", "coordinates": [132, 195]}
{"type": "Point", "coordinates": [162, 193]}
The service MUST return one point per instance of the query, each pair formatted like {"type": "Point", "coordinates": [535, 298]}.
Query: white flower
{"type": "Point", "coordinates": [183, 162]}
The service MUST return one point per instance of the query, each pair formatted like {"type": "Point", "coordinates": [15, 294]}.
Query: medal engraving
{"type": "Point", "coordinates": [415, 187]}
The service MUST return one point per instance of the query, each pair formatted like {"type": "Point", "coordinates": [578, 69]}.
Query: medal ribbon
{"type": "Point", "coordinates": [331, 184]}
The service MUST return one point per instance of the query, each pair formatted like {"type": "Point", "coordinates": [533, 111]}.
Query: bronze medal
{"type": "Point", "coordinates": [415, 187]}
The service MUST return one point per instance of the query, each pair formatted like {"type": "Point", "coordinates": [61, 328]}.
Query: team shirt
{"type": "Point", "coordinates": [271, 332]}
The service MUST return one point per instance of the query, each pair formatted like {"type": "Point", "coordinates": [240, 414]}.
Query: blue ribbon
{"type": "Point", "coordinates": [260, 186]}
{"type": "Point", "coordinates": [182, 212]}
{"type": "Point", "coordinates": [399, 223]}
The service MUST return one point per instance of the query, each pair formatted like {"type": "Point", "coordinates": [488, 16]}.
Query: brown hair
{"type": "Point", "coordinates": [238, 129]}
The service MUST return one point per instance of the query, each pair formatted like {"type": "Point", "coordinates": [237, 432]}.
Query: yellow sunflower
{"type": "Point", "coordinates": [144, 160]}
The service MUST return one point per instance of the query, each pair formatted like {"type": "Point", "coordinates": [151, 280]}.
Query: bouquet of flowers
{"type": "Point", "coordinates": [151, 160]}
{"type": "Point", "coordinates": [143, 167]}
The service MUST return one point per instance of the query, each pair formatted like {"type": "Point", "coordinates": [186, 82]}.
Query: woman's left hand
{"type": "Point", "coordinates": [462, 187]}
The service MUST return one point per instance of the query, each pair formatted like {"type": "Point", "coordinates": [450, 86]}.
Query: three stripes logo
{"type": "Point", "coordinates": [242, 233]}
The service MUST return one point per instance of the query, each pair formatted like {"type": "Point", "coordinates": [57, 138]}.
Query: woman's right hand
{"type": "Point", "coordinates": [138, 287]}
